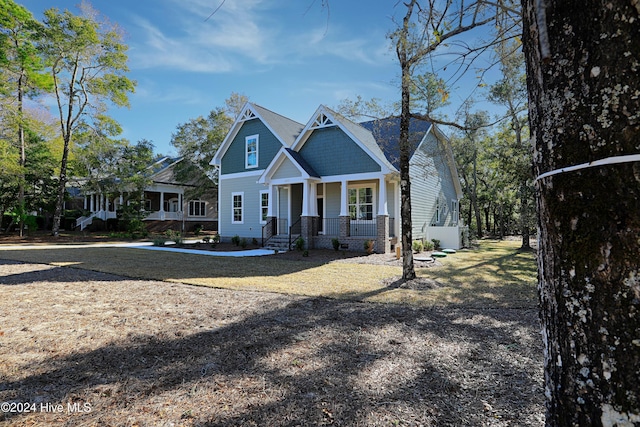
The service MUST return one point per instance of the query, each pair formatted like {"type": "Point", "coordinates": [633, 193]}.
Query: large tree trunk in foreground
{"type": "Point", "coordinates": [584, 107]}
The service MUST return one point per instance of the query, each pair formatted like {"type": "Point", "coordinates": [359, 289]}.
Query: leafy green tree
{"type": "Point", "coordinates": [197, 142]}
{"type": "Point", "coordinates": [24, 76]}
{"type": "Point", "coordinates": [88, 64]}
{"type": "Point", "coordinates": [511, 92]}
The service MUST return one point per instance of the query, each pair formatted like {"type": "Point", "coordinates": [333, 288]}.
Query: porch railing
{"type": "Point", "coordinates": [275, 226]}
{"type": "Point", "coordinates": [357, 227]}
{"type": "Point", "coordinates": [363, 228]}
{"type": "Point", "coordinates": [296, 228]}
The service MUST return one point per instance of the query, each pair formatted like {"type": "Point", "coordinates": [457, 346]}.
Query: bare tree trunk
{"type": "Point", "coordinates": [23, 155]}
{"type": "Point", "coordinates": [584, 99]}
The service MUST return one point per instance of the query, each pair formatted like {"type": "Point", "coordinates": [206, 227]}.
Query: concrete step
{"type": "Point", "coordinates": [280, 242]}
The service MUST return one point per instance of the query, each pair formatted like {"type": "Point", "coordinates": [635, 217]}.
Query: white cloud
{"type": "Point", "coordinates": [159, 50]}
{"type": "Point", "coordinates": [242, 34]}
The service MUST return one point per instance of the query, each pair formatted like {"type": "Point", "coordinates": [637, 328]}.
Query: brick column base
{"type": "Point", "coordinates": [383, 245]}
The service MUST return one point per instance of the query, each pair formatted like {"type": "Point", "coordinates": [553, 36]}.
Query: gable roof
{"type": "Point", "coordinates": [163, 172]}
{"type": "Point", "coordinates": [387, 135]}
{"type": "Point", "coordinates": [306, 171]}
{"type": "Point", "coordinates": [283, 128]}
{"type": "Point", "coordinates": [325, 117]}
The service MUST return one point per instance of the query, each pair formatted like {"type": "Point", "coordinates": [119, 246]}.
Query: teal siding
{"type": "Point", "coordinates": [330, 151]}
{"type": "Point", "coordinates": [233, 160]}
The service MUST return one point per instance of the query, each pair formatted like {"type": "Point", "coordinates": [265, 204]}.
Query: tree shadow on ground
{"type": "Point", "coordinates": [49, 273]}
{"type": "Point", "coordinates": [307, 361]}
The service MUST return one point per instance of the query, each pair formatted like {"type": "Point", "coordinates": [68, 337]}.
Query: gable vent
{"type": "Point", "coordinates": [321, 121]}
{"type": "Point", "coordinates": [247, 115]}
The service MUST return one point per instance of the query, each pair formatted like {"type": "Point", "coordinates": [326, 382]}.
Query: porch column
{"type": "Point", "coordinates": [344, 206]}
{"type": "Point", "coordinates": [305, 198]}
{"type": "Point", "coordinates": [162, 205]}
{"type": "Point", "coordinates": [85, 202]}
{"type": "Point", "coordinates": [345, 218]}
{"type": "Point", "coordinates": [382, 197]}
{"type": "Point", "coordinates": [92, 203]}
{"type": "Point", "coordinates": [273, 197]}
{"type": "Point", "coordinates": [383, 245]}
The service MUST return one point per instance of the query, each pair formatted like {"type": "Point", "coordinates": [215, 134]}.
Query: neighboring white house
{"type": "Point", "coordinates": [332, 178]}
{"type": "Point", "coordinates": [164, 201]}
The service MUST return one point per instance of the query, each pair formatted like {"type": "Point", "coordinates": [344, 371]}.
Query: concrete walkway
{"type": "Point", "coordinates": [139, 245]}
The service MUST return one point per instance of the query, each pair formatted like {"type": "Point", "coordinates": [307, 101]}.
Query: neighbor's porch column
{"type": "Point", "coordinates": [92, 206]}
{"type": "Point", "coordinates": [85, 202]}
{"type": "Point", "coordinates": [161, 210]}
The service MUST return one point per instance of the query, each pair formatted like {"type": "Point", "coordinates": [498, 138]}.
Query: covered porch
{"type": "Point", "coordinates": [321, 210]}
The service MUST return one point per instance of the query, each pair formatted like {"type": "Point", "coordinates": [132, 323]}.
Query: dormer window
{"type": "Point", "coordinates": [251, 151]}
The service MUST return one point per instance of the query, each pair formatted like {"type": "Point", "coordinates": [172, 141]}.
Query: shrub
{"type": "Point", "coordinates": [159, 241]}
{"type": "Point", "coordinates": [206, 239]}
{"type": "Point", "coordinates": [336, 244]}
{"type": "Point", "coordinates": [136, 228]}
{"type": "Point", "coordinates": [436, 243]}
{"type": "Point", "coordinates": [31, 223]}
{"type": "Point", "coordinates": [369, 245]}
{"type": "Point", "coordinates": [175, 236]}
{"type": "Point", "coordinates": [254, 241]}
{"type": "Point", "coordinates": [428, 245]}
{"type": "Point", "coordinates": [197, 229]}
{"type": "Point", "coordinates": [235, 240]}
{"type": "Point", "coordinates": [305, 253]}
{"type": "Point", "coordinates": [417, 246]}
{"type": "Point", "coordinates": [112, 224]}
{"type": "Point", "coordinates": [299, 243]}
{"type": "Point", "coordinates": [243, 243]}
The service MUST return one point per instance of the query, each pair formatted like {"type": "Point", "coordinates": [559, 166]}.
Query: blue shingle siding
{"type": "Point", "coordinates": [329, 151]}
{"type": "Point", "coordinates": [268, 145]}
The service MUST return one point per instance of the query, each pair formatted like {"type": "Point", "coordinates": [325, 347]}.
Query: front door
{"type": "Point", "coordinates": [283, 210]}
{"type": "Point", "coordinates": [320, 215]}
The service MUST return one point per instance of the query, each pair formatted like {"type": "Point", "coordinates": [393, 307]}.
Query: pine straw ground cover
{"type": "Point", "coordinates": [151, 353]}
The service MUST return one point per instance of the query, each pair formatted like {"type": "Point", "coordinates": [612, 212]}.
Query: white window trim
{"type": "Point", "coordinates": [198, 201]}
{"type": "Point", "coordinates": [455, 211]}
{"type": "Point", "coordinates": [246, 154]}
{"type": "Point", "coordinates": [374, 199]}
{"type": "Point", "coordinates": [233, 195]}
{"type": "Point", "coordinates": [262, 207]}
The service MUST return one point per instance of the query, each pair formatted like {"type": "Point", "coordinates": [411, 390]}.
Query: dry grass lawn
{"type": "Point", "coordinates": [145, 350]}
{"type": "Point", "coordinates": [496, 274]}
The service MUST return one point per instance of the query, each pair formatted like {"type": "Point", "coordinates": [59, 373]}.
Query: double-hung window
{"type": "Point", "coordinates": [237, 208]}
{"type": "Point", "coordinates": [455, 215]}
{"type": "Point", "coordinates": [264, 206]}
{"type": "Point", "coordinates": [361, 203]}
{"type": "Point", "coordinates": [197, 208]}
{"type": "Point", "coordinates": [251, 151]}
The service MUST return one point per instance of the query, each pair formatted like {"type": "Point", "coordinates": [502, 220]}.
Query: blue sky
{"type": "Point", "coordinates": [288, 56]}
